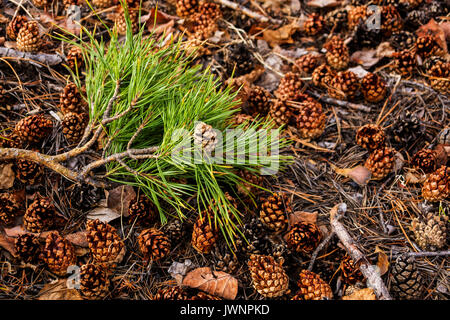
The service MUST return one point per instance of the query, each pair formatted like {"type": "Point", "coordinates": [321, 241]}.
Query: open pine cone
{"type": "Point", "coordinates": [406, 280]}
{"type": "Point", "coordinates": [16, 23]}
{"type": "Point", "coordinates": [371, 137]}
{"type": "Point", "coordinates": [431, 231]}
{"type": "Point", "coordinates": [303, 237]}
{"type": "Point", "coordinates": [142, 209]}
{"type": "Point", "coordinates": [94, 281]}
{"type": "Point", "coordinates": [338, 56]}
{"type": "Point", "coordinates": [381, 162]}
{"type": "Point", "coordinates": [437, 185]}
{"type": "Point", "coordinates": [274, 211]}
{"type": "Point", "coordinates": [373, 87]}
{"type": "Point", "coordinates": [170, 293]}
{"type": "Point", "coordinates": [322, 76]}
{"type": "Point", "coordinates": [314, 24]}
{"type": "Point", "coordinates": [312, 287]}
{"type": "Point", "coordinates": [71, 100]}
{"type": "Point", "coordinates": [39, 216]}
{"type": "Point", "coordinates": [9, 208]}
{"type": "Point", "coordinates": [204, 234]}
{"type": "Point", "coordinates": [268, 276]}
{"type": "Point", "coordinates": [310, 119]}
{"type": "Point", "coordinates": [58, 254]}
{"type": "Point", "coordinates": [344, 86]}
{"type": "Point", "coordinates": [28, 172]}
{"type": "Point", "coordinates": [280, 112]}
{"type": "Point", "coordinates": [290, 87]}
{"type": "Point", "coordinates": [424, 159]}
{"type": "Point", "coordinates": [27, 247]}
{"type": "Point", "coordinates": [29, 39]}
{"type": "Point", "coordinates": [34, 129]}
{"type": "Point", "coordinates": [73, 126]}
{"type": "Point", "coordinates": [350, 271]}
{"type": "Point", "coordinates": [74, 58]}
{"type": "Point", "coordinates": [153, 244]}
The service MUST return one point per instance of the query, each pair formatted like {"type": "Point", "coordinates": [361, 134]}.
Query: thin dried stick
{"type": "Point", "coordinates": [248, 12]}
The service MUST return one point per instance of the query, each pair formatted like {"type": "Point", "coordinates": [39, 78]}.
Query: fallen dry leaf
{"type": "Point", "coordinates": [14, 231]}
{"type": "Point", "coordinates": [323, 3]}
{"type": "Point", "coordinates": [103, 214]}
{"type": "Point", "coordinates": [302, 216]}
{"type": "Point", "coordinates": [435, 29]}
{"type": "Point", "coordinates": [78, 238]}
{"type": "Point", "coordinates": [217, 283]}
{"type": "Point", "coordinates": [366, 57]}
{"type": "Point", "coordinates": [7, 176]}
{"type": "Point", "coordinates": [361, 294]}
{"type": "Point", "coordinates": [281, 35]}
{"type": "Point", "coordinates": [383, 261]}
{"type": "Point", "coordinates": [7, 243]}
{"type": "Point", "coordinates": [360, 174]}
{"type": "Point", "coordinates": [412, 176]}
{"type": "Point", "coordinates": [119, 199]}
{"type": "Point", "coordinates": [58, 291]}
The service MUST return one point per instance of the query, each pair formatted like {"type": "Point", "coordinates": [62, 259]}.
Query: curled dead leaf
{"type": "Point", "coordinates": [366, 57]}
{"type": "Point", "coordinates": [7, 243]}
{"type": "Point", "coordinates": [413, 176]}
{"type": "Point", "coordinates": [103, 214]}
{"type": "Point", "coordinates": [58, 291]}
{"type": "Point", "coordinates": [7, 176]}
{"type": "Point", "coordinates": [217, 283]}
{"type": "Point", "coordinates": [302, 216]}
{"type": "Point", "coordinates": [78, 238]}
{"type": "Point", "coordinates": [281, 35]}
{"type": "Point", "coordinates": [435, 29]}
{"type": "Point", "coordinates": [383, 261]}
{"type": "Point", "coordinates": [118, 199]}
{"type": "Point", "coordinates": [361, 294]}
{"type": "Point", "coordinates": [360, 174]}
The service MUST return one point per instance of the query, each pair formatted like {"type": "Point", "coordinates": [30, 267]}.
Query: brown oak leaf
{"type": "Point", "coordinates": [217, 283]}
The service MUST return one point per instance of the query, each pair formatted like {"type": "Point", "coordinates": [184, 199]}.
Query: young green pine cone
{"type": "Point", "coordinates": [371, 137]}
{"type": "Point", "coordinates": [73, 126]}
{"type": "Point", "coordinates": [314, 24]}
{"type": "Point", "coordinates": [28, 39]}
{"type": "Point", "coordinates": [306, 64]}
{"type": "Point", "coordinates": [12, 30]}
{"type": "Point", "coordinates": [312, 287]}
{"type": "Point", "coordinates": [350, 271]}
{"type": "Point", "coordinates": [268, 276]}
{"type": "Point", "coordinates": [290, 87]}
{"type": "Point", "coordinates": [430, 231]}
{"type": "Point", "coordinates": [274, 211]}
{"type": "Point", "coordinates": [39, 216]}
{"type": "Point", "coordinates": [204, 234]}
{"type": "Point", "coordinates": [153, 244]}
{"type": "Point", "coordinates": [344, 86]}
{"type": "Point", "coordinates": [373, 87]}
{"type": "Point", "coordinates": [70, 100]}
{"type": "Point", "coordinates": [310, 119]}
{"type": "Point", "coordinates": [27, 247]}
{"type": "Point", "coordinates": [9, 208]}
{"type": "Point", "coordinates": [94, 281]}
{"type": "Point", "coordinates": [424, 159]}
{"type": "Point", "coordinates": [337, 55]}
{"type": "Point", "coordinates": [381, 162]}
{"type": "Point", "coordinates": [437, 185]}
{"type": "Point", "coordinates": [58, 254]}
{"type": "Point", "coordinates": [34, 129]}
{"type": "Point", "coordinates": [303, 237]}
{"type": "Point", "coordinates": [106, 247]}
{"type": "Point", "coordinates": [28, 172]}
{"type": "Point", "coordinates": [322, 76]}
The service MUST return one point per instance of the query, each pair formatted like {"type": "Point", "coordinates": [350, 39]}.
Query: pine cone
{"type": "Point", "coordinates": [71, 100]}
{"type": "Point", "coordinates": [204, 296]}
{"type": "Point", "coordinates": [39, 216]}
{"type": "Point", "coordinates": [406, 281]}
{"type": "Point", "coordinates": [11, 141]}
{"type": "Point", "coordinates": [9, 208]}
{"type": "Point", "coordinates": [350, 271]}
{"type": "Point", "coordinates": [424, 159]}
{"type": "Point", "coordinates": [256, 240]}
{"type": "Point", "coordinates": [358, 14]}
{"type": "Point", "coordinates": [439, 75]}
{"type": "Point", "coordinates": [338, 56]}
{"type": "Point", "coordinates": [314, 24]}
{"type": "Point", "coordinates": [27, 247]}
{"type": "Point", "coordinates": [28, 172]}
{"type": "Point", "coordinates": [103, 3]}
{"type": "Point", "coordinates": [336, 20]}
{"type": "Point", "coordinates": [403, 40]}
{"type": "Point", "coordinates": [431, 231]}
{"type": "Point", "coordinates": [142, 209]}
{"type": "Point", "coordinates": [106, 247]}
{"type": "Point", "coordinates": [41, 3]}
{"type": "Point", "coordinates": [322, 76]}
{"type": "Point", "coordinates": [94, 281]}
{"type": "Point", "coordinates": [280, 112]}
{"type": "Point", "coordinates": [312, 287]}
{"type": "Point", "coordinates": [381, 162]}
{"type": "Point", "coordinates": [58, 254]}
{"type": "Point", "coordinates": [74, 58]}
{"type": "Point", "coordinates": [121, 22]}
{"type": "Point", "coordinates": [274, 211]}
{"type": "Point", "coordinates": [344, 86]}
{"type": "Point", "coordinates": [404, 62]}
{"type": "Point", "coordinates": [201, 26]}
{"type": "Point", "coordinates": [416, 18]}
{"type": "Point", "coordinates": [365, 35]}
{"type": "Point", "coordinates": [303, 237]}
{"type": "Point", "coordinates": [175, 231]}
{"type": "Point", "coordinates": [224, 260]}
{"type": "Point", "coordinates": [373, 87]}
{"type": "Point", "coordinates": [408, 128]}
{"type": "Point", "coordinates": [310, 119]}
{"type": "Point", "coordinates": [16, 23]}
{"type": "Point", "coordinates": [153, 244]}
{"type": "Point", "coordinates": [28, 38]}
{"type": "Point", "coordinates": [186, 8]}
{"type": "Point", "coordinates": [306, 64]}
{"type": "Point", "coordinates": [258, 101]}
{"type": "Point", "coordinates": [437, 185]}
{"type": "Point", "coordinates": [241, 118]}
{"type": "Point", "coordinates": [290, 87]}
{"type": "Point", "coordinates": [73, 126]}
{"type": "Point", "coordinates": [204, 234]}
{"type": "Point", "coordinates": [391, 21]}
{"type": "Point", "coordinates": [238, 60]}
{"type": "Point", "coordinates": [427, 46]}
{"type": "Point", "coordinates": [268, 276]}
{"type": "Point", "coordinates": [205, 138]}
{"type": "Point", "coordinates": [83, 196]}
{"type": "Point", "coordinates": [170, 293]}
{"type": "Point", "coordinates": [34, 129]}
{"type": "Point", "coordinates": [249, 183]}
{"type": "Point", "coordinates": [210, 9]}
{"type": "Point", "coordinates": [371, 137]}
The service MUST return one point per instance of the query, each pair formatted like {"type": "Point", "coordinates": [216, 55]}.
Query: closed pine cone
{"type": "Point", "coordinates": [27, 247]}
{"type": "Point", "coordinates": [337, 55]}
{"type": "Point", "coordinates": [250, 182]}
{"type": "Point", "coordinates": [74, 58]}
{"type": "Point", "coordinates": [204, 234]}
{"type": "Point", "coordinates": [9, 208]}
{"type": "Point", "coordinates": [28, 38]}
{"type": "Point", "coordinates": [350, 271]}
{"type": "Point", "coordinates": [73, 125]}
{"type": "Point", "coordinates": [106, 246]}
{"type": "Point", "coordinates": [186, 8]}
{"type": "Point", "coordinates": [170, 293]}
{"type": "Point", "coordinates": [312, 287]}
{"type": "Point", "coordinates": [344, 86]}
{"type": "Point", "coordinates": [406, 280]}
{"type": "Point", "coordinates": [290, 87]}
{"type": "Point", "coordinates": [322, 76]}
{"type": "Point", "coordinates": [28, 172]}
{"type": "Point", "coordinates": [34, 129]}
{"type": "Point", "coordinates": [303, 237]}
{"type": "Point", "coordinates": [12, 30]}
{"type": "Point", "coordinates": [371, 137]}
{"type": "Point", "coordinates": [431, 231]}
{"type": "Point", "coordinates": [314, 24]}
{"type": "Point", "coordinates": [404, 62]}
{"type": "Point", "coordinates": [424, 159]}
{"type": "Point", "coordinates": [310, 119]}
{"type": "Point", "coordinates": [373, 87]}
{"type": "Point", "coordinates": [306, 63]}
{"type": "Point", "coordinates": [39, 215]}
{"type": "Point", "coordinates": [268, 276]}
{"type": "Point", "coordinates": [70, 100]}
{"type": "Point", "coordinates": [280, 112]}
{"type": "Point", "coordinates": [437, 185]}
{"type": "Point", "coordinates": [94, 281]}
{"type": "Point", "coordinates": [58, 254]}
{"type": "Point", "coordinates": [121, 23]}
{"type": "Point", "coordinates": [258, 101]}
{"type": "Point", "coordinates": [381, 162]}
{"type": "Point", "coordinates": [153, 244]}
{"type": "Point", "coordinates": [274, 211]}
{"type": "Point", "coordinates": [201, 26]}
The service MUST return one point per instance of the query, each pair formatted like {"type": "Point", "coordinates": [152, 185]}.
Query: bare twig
{"type": "Point", "coordinates": [38, 59]}
{"type": "Point", "coordinates": [318, 249]}
{"type": "Point", "coordinates": [368, 270]}
{"type": "Point", "coordinates": [248, 12]}
{"type": "Point", "coordinates": [426, 254]}
{"type": "Point", "coordinates": [355, 106]}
